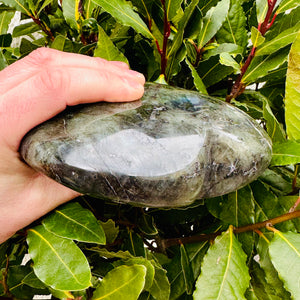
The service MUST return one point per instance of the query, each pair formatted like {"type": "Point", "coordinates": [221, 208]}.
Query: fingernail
{"type": "Point", "coordinates": [133, 83]}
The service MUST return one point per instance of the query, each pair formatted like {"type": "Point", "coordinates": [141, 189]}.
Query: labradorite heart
{"type": "Point", "coordinates": [166, 150]}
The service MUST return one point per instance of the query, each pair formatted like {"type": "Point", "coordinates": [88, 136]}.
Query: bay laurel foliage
{"type": "Point", "coordinates": [244, 245]}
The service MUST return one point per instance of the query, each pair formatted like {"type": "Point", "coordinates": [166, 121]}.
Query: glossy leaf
{"type": "Point", "coordinates": [178, 38]}
{"type": "Point", "coordinates": [20, 5]}
{"type": "Point", "coordinates": [274, 128]}
{"type": "Point", "coordinates": [256, 37]}
{"type": "Point", "coordinates": [71, 13]}
{"type": "Point", "coordinates": [274, 288]}
{"type": "Point", "coordinates": [5, 18]}
{"type": "Point", "coordinates": [261, 10]}
{"type": "Point", "coordinates": [123, 282]}
{"type": "Point", "coordinates": [106, 49]}
{"type": "Point", "coordinates": [286, 4]}
{"type": "Point", "coordinates": [262, 65]}
{"type": "Point", "coordinates": [74, 222]}
{"type": "Point", "coordinates": [186, 270]}
{"type": "Point", "coordinates": [212, 22]}
{"type": "Point", "coordinates": [197, 79]}
{"type": "Point", "coordinates": [227, 60]}
{"type": "Point", "coordinates": [60, 264]}
{"type": "Point", "coordinates": [283, 39]}
{"type": "Point", "coordinates": [292, 94]}
{"type": "Point", "coordinates": [110, 229]}
{"type": "Point", "coordinates": [25, 29]}
{"type": "Point", "coordinates": [212, 71]}
{"type": "Point", "coordinates": [124, 13]}
{"type": "Point", "coordinates": [234, 28]}
{"type": "Point", "coordinates": [224, 273]}
{"type": "Point", "coordinates": [17, 287]}
{"type": "Point", "coordinates": [195, 253]}
{"type": "Point", "coordinates": [286, 153]}
{"type": "Point", "coordinates": [160, 288]}
{"type": "Point", "coordinates": [89, 6]}
{"type": "Point", "coordinates": [236, 208]}
{"type": "Point", "coordinates": [172, 8]}
{"type": "Point", "coordinates": [285, 255]}
{"type": "Point", "coordinates": [150, 271]}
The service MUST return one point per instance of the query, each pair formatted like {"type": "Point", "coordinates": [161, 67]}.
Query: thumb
{"type": "Point", "coordinates": [54, 80]}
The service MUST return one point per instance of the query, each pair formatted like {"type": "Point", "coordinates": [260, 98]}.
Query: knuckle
{"type": "Point", "coordinates": [41, 56]}
{"type": "Point", "coordinates": [53, 80]}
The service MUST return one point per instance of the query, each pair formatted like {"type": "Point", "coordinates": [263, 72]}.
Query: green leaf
{"type": "Point", "coordinates": [110, 229]}
{"type": "Point", "coordinates": [274, 129]}
{"type": "Point", "coordinates": [5, 40]}
{"type": "Point", "coordinates": [25, 29]}
{"type": "Point", "coordinates": [197, 79]}
{"type": "Point", "coordinates": [283, 39]}
{"type": "Point", "coordinates": [43, 5]}
{"type": "Point", "coordinates": [140, 261]}
{"type": "Point", "coordinates": [178, 38]}
{"type": "Point", "coordinates": [224, 273]}
{"type": "Point", "coordinates": [286, 153]}
{"type": "Point", "coordinates": [212, 22]}
{"type": "Point", "coordinates": [286, 4]}
{"type": "Point", "coordinates": [5, 18]}
{"type": "Point", "coordinates": [256, 37]}
{"type": "Point", "coordinates": [292, 94]}
{"type": "Point", "coordinates": [222, 48]}
{"type": "Point", "coordinates": [261, 10]}
{"type": "Point", "coordinates": [186, 270]}
{"type": "Point", "coordinates": [273, 286]}
{"type": "Point", "coordinates": [32, 280]}
{"type": "Point", "coordinates": [134, 244]}
{"type": "Point", "coordinates": [236, 208]}
{"type": "Point", "coordinates": [212, 71]}
{"type": "Point", "coordinates": [195, 253]}
{"type": "Point", "coordinates": [146, 224]}
{"type": "Point", "coordinates": [20, 5]}
{"type": "Point", "coordinates": [16, 285]}
{"type": "Point", "coordinates": [123, 282]}
{"type": "Point", "coordinates": [234, 28]}
{"type": "Point", "coordinates": [160, 288]}
{"type": "Point", "coordinates": [71, 13]}
{"type": "Point", "coordinates": [266, 202]}
{"type": "Point", "coordinates": [122, 11]}
{"type": "Point", "coordinates": [263, 65]}
{"type": "Point", "coordinates": [285, 255]}
{"type": "Point", "coordinates": [106, 48]}
{"type": "Point", "coordinates": [74, 222]}
{"type": "Point", "coordinates": [89, 6]}
{"type": "Point", "coordinates": [227, 60]}
{"type": "Point", "coordinates": [58, 262]}
{"type": "Point", "coordinates": [172, 8]}
{"type": "Point", "coordinates": [110, 254]}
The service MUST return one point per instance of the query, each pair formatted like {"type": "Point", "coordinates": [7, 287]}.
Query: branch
{"type": "Point", "coordinates": [239, 87]}
{"type": "Point", "coordinates": [251, 227]}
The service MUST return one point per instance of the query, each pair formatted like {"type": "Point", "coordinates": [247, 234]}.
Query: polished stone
{"type": "Point", "coordinates": [166, 150]}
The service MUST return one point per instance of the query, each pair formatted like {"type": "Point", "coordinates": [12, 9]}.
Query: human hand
{"type": "Point", "coordinates": [32, 90]}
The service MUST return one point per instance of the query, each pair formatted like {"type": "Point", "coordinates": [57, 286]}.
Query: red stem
{"type": "Point", "coordinates": [167, 31]}
{"type": "Point", "coordinates": [263, 27]}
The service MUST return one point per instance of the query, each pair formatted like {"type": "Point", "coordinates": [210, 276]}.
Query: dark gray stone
{"type": "Point", "coordinates": [166, 150]}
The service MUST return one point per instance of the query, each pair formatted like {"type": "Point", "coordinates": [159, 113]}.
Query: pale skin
{"type": "Point", "coordinates": [32, 90]}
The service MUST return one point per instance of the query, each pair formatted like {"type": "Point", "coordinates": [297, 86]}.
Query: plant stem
{"type": "Point", "coordinates": [167, 31]}
{"type": "Point", "coordinates": [251, 227]}
{"type": "Point", "coordinates": [43, 27]}
{"type": "Point", "coordinates": [293, 208]}
{"type": "Point", "coordinates": [239, 87]}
